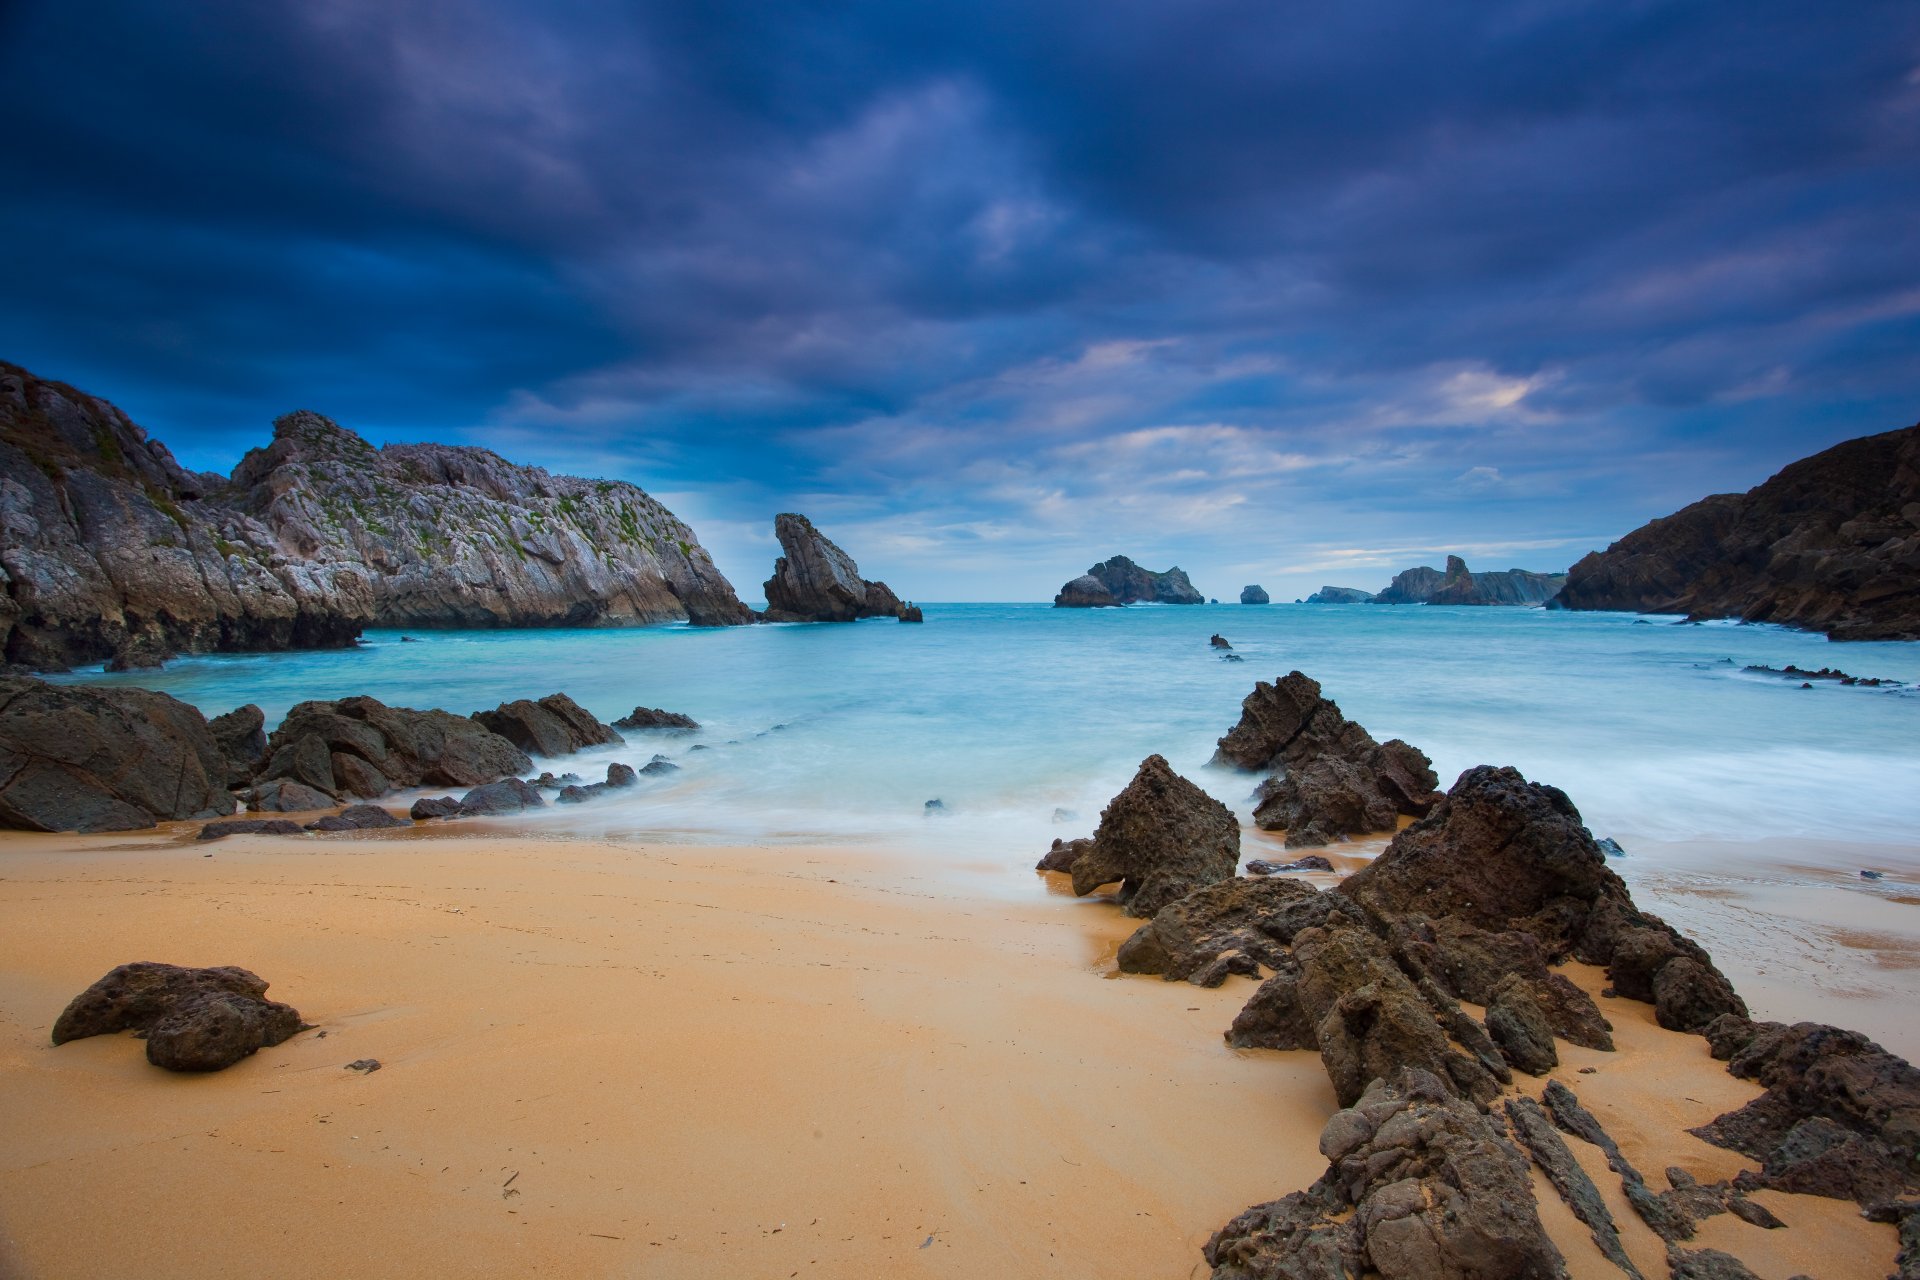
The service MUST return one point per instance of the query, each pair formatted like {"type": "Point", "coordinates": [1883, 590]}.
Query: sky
{"type": "Point", "coordinates": [1282, 293]}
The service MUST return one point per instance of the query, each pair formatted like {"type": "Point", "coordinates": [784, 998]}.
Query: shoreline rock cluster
{"type": "Point", "coordinates": [1478, 903]}
{"type": "Point", "coordinates": [1455, 585]}
{"type": "Point", "coordinates": [1328, 778]}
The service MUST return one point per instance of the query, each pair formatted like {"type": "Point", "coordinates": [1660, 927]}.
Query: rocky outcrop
{"type": "Point", "coordinates": [362, 748]}
{"type": "Point", "coordinates": [1420, 1186]}
{"type": "Point", "coordinates": [1255, 594]}
{"type": "Point", "coordinates": [1120, 581]}
{"type": "Point", "coordinates": [1831, 543]}
{"type": "Point", "coordinates": [358, 817]}
{"type": "Point", "coordinates": [1340, 595]}
{"type": "Point", "coordinates": [109, 547]}
{"type": "Point", "coordinates": [1330, 779]}
{"type": "Point", "coordinates": [1161, 838]}
{"type": "Point", "coordinates": [1458, 585]}
{"type": "Point", "coordinates": [508, 795]}
{"type": "Point", "coordinates": [556, 725]}
{"type": "Point", "coordinates": [815, 581]}
{"type": "Point", "coordinates": [74, 758]}
{"type": "Point", "coordinates": [1840, 1117]}
{"type": "Point", "coordinates": [250, 827]}
{"type": "Point", "coordinates": [654, 718]}
{"type": "Point", "coordinates": [1235, 926]}
{"type": "Point", "coordinates": [193, 1019]}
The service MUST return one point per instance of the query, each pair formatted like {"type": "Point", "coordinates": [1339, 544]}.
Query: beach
{"type": "Point", "coordinates": [607, 1058]}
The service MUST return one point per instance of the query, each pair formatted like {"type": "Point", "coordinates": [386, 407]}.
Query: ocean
{"type": "Point", "coordinates": [1022, 720]}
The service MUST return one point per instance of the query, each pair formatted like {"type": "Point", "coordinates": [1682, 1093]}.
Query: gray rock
{"type": "Point", "coordinates": [250, 827]}
{"type": "Point", "coordinates": [509, 795]}
{"type": "Point", "coordinates": [284, 795]}
{"type": "Point", "coordinates": [815, 581]}
{"type": "Point", "coordinates": [362, 747]}
{"type": "Point", "coordinates": [1536, 1133]}
{"type": "Point", "coordinates": [434, 807]}
{"type": "Point", "coordinates": [556, 725]}
{"type": "Point", "coordinates": [359, 817]}
{"type": "Point", "coordinates": [1254, 919]}
{"type": "Point", "coordinates": [654, 718]}
{"type": "Point", "coordinates": [1253, 595]}
{"type": "Point", "coordinates": [1119, 581]}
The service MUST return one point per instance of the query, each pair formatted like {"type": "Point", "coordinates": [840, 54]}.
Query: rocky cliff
{"type": "Point", "coordinates": [1344, 595]}
{"type": "Point", "coordinates": [1831, 543]}
{"type": "Point", "coordinates": [815, 581]}
{"type": "Point", "coordinates": [1120, 581]}
{"type": "Point", "coordinates": [1459, 585]}
{"type": "Point", "coordinates": [108, 546]}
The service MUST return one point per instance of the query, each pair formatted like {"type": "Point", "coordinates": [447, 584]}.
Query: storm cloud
{"type": "Point", "coordinates": [1286, 293]}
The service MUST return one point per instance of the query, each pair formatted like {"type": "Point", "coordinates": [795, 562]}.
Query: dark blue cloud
{"type": "Point", "coordinates": [1265, 287]}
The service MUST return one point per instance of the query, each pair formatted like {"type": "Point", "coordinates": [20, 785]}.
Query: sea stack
{"type": "Point", "coordinates": [815, 581]}
{"type": "Point", "coordinates": [1120, 581]}
{"type": "Point", "coordinates": [1340, 595]}
{"type": "Point", "coordinates": [1255, 594]}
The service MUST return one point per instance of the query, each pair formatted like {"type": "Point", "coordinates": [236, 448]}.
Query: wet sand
{"type": "Point", "coordinates": [605, 1060]}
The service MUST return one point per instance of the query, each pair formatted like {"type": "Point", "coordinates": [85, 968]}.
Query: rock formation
{"type": "Point", "coordinates": [556, 725]}
{"type": "Point", "coordinates": [1330, 779]}
{"type": "Point", "coordinates": [193, 1019]}
{"type": "Point", "coordinates": [105, 759]}
{"type": "Point", "coordinates": [1344, 595]}
{"type": "Point", "coordinates": [108, 548]}
{"type": "Point", "coordinates": [1253, 595]}
{"type": "Point", "coordinates": [654, 718]}
{"type": "Point", "coordinates": [1458, 585]}
{"type": "Point", "coordinates": [362, 748]}
{"type": "Point", "coordinates": [1161, 838]}
{"type": "Point", "coordinates": [1831, 543]}
{"type": "Point", "coordinates": [1120, 581]}
{"type": "Point", "coordinates": [815, 581]}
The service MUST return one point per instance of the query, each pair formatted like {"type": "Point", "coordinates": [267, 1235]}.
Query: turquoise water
{"type": "Point", "coordinates": [1006, 713]}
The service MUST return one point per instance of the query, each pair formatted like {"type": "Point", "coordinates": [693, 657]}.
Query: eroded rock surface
{"type": "Point", "coordinates": [362, 748]}
{"type": "Point", "coordinates": [1161, 838]}
{"type": "Point", "coordinates": [815, 581]}
{"type": "Point", "coordinates": [1119, 581]}
{"type": "Point", "coordinates": [556, 725]}
{"type": "Point", "coordinates": [1235, 926]}
{"type": "Point", "coordinates": [193, 1019]}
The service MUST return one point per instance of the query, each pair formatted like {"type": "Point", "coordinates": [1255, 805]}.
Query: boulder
{"type": "Point", "coordinates": [1218, 641]}
{"type": "Point", "coordinates": [1421, 1186]}
{"type": "Point", "coordinates": [434, 807]}
{"type": "Point", "coordinates": [1120, 581]}
{"type": "Point", "coordinates": [77, 758]}
{"type": "Point", "coordinates": [284, 795]}
{"type": "Point", "coordinates": [1062, 855]}
{"type": "Point", "coordinates": [815, 581]}
{"type": "Point", "coordinates": [1264, 867]}
{"type": "Point", "coordinates": [654, 718]}
{"type": "Point", "coordinates": [1160, 838]}
{"type": "Point", "coordinates": [242, 736]}
{"type": "Point", "coordinates": [508, 795]}
{"type": "Point", "coordinates": [1234, 926]}
{"type": "Point", "coordinates": [355, 745]}
{"type": "Point", "coordinates": [1518, 1026]}
{"type": "Point", "coordinates": [1831, 543]}
{"type": "Point", "coordinates": [143, 651]}
{"type": "Point", "coordinates": [1340, 595]}
{"type": "Point", "coordinates": [1273, 1017]}
{"type": "Point", "coordinates": [619, 777]}
{"type": "Point", "coordinates": [359, 817]}
{"type": "Point", "coordinates": [250, 827]}
{"type": "Point", "coordinates": [1253, 595]}
{"type": "Point", "coordinates": [193, 1019]}
{"type": "Point", "coordinates": [556, 725]}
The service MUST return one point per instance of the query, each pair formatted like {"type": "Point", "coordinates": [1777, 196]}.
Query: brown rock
{"type": "Point", "coordinates": [1161, 838]}
{"type": "Point", "coordinates": [556, 725]}
{"type": "Point", "coordinates": [194, 1019]}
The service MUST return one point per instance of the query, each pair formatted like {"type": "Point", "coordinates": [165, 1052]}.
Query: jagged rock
{"type": "Point", "coordinates": [1369, 1018]}
{"type": "Point", "coordinates": [1340, 595]}
{"type": "Point", "coordinates": [1421, 1187]}
{"type": "Point", "coordinates": [1536, 1133]}
{"type": "Point", "coordinates": [619, 777]}
{"type": "Point", "coordinates": [1253, 595]}
{"type": "Point", "coordinates": [1706, 1264]}
{"type": "Point", "coordinates": [141, 652]}
{"type": "Point", "coordinates": [1331, 779]}
{"type": "Point", "coordinates": [1219, 641]}
{"type": "Point", "coordinates": [1516, 1024]}
{"type": "Point", "coordinates": [355, 745]}
{"type": "Point", "coordinates": [654, 718]}
{"type": "Point", "coordinates": [1062, 855]}
{"type": "Point", "coordinates": [359, 817]}
{"type": "Point", "coordinates": [1312, 862]}
{"type": "Point", "coordinates": [242, 735]}
{"type": "Point", "coordinates": [194, 1019]}
{"type": "Point", "coordinates": [1253, 920]}
{"type": "Point", "coordinates": [1840, 1117]}
{"type": "Point", "coordinates": [250, 827]}
{"type": "Point", "coordinates": [815, 581]}
{"type": "Point", "coordinates": [284, 795]}
{"type": "Point", "coordinates": [556, 725]}
{"type": "Point", "coordinates": [550, 781]}
{"type": "Point", "coordinates": [1668, 1220]}
{"type": "Point", "coordinates": [74, 758]}
{"type": "Point", "coordinates": [108, 540]}
{"type": "Point", "coordinates": [509, 795]}
{"type": "Point", "coordinates": [1161, 838]}
{"type": "Point", "coordinates": [434, 807]}
{"type": "Point", "coordinates": [1831, 543]}
{"type": "Point", "coordinates": [1905, 1214]}
{"type": "Point", "coordinates": [1688, 995]}
{"type": "Point", "coordinates": [660, 764]}
{"type": "Point", "coordinates": [1120, 581]}
{"type": "Point", "coordinates": [1273, 1017]}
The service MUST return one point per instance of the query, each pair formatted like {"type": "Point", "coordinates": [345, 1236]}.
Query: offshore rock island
{"type": "Point", "coordinates": [1119, 581]}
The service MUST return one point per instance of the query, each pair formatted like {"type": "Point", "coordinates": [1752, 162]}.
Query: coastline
{"type": "Point", "coordinates": [787, 1060]}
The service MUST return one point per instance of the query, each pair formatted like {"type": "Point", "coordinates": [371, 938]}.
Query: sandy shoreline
{"type": "Point", "coordinates": [605, 1059]}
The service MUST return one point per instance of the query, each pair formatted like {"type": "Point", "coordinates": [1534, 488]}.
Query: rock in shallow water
{"type": "Point", "coordinates": [194, 1019]}
{"type": "Point", "coordinates": [1161, 838]}
{"type": "Point", "coordinates": [358, 817]}
{"type": "Point", "coordinates": [250, 827]}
